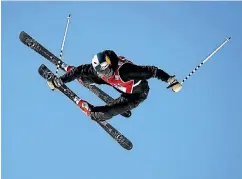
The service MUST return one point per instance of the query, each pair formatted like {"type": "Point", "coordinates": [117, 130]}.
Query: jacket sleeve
{"type": "Point", "coordinates": [77, 72]}
{"type": "Point", "coordinates": [131, 71]}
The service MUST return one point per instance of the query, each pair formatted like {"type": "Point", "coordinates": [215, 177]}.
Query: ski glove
{"type": "Point", "coordinates": [174, 84]}
{"type": "Point", "coordinates": [171, 80]}
{"type": "Point", "coordinates": [55, 83]}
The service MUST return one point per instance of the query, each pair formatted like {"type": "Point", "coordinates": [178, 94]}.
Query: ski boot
{"type": "Point", "coordinates": [86, 107]}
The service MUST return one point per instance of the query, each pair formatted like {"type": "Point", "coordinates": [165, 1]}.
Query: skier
{"type": "Point", "coordinates": [127, 78]}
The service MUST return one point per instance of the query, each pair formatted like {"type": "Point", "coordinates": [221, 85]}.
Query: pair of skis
{"type": "Point", "coordinates": [48, 75]}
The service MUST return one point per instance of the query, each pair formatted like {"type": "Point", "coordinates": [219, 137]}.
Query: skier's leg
{"type": "Point", "coordinates": [120, 105]}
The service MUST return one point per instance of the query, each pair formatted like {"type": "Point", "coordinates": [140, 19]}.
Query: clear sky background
{"type": "Point", "coordinates": [194, 134]}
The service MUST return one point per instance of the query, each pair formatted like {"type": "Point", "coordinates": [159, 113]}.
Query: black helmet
{"type": "Point", "coordinates": [102, 65]}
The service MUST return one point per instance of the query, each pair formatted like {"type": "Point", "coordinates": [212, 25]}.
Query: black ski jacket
{"type": "Point", "coordinates": [127, 71]}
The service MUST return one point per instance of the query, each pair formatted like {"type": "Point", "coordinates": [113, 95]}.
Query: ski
{"type": "Point", "coordinates": [114, 133]}
{"type": "Point", "coordinates": [40, 49]}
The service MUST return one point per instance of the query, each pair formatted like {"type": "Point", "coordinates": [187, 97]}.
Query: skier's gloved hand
{"type": "Point", "coordinates": [174, 84]}
{"type": "Point", "coordinates": [55, 83]}
{"type": "Point", "coordinates": [171, 80]}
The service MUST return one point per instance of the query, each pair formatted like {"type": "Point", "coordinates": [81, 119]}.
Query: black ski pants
{"type": "Point", "coordinates": [124, 103]}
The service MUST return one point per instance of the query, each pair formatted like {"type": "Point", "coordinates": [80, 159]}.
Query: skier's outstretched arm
{"type": "Point", "coordinates": [77, 72]}
{"type": "Point", "coordinates": [134, 72]}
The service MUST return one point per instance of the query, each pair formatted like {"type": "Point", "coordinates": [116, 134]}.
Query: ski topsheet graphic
{"type": "Point", "coordinates": [40, 49]}
{"type": "Point", "coordinates": [114, 133]}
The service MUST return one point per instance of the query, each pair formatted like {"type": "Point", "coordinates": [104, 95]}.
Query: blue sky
{"type": "Point", "coordinates": [192, 134]}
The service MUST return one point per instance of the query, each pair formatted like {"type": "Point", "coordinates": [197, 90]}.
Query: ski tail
{"type": "Point", "coordinates": [114, 133]}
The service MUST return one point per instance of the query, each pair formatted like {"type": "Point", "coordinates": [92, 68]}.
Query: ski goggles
{"type": "Point", "coordinates": [104, 69]}
{"type": "Point", "coordinates": [104, 62]}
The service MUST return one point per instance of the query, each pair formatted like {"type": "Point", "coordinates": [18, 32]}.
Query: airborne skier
{"type": "Point", "coordinates": [106, 68]}
{"type": "Point", "coordinates": [127, 78]}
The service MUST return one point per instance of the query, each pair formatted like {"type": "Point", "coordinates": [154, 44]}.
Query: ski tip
{"type": "Point", "coordinates": [41, 68]}
{"type": "Point", "coordinates": [45, 72]}
{"type": "Point", "coordinates": [22, 33]}
{"type": "Point", "coordinates": [22, 36]}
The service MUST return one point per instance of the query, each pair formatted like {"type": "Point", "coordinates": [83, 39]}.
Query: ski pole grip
{"type": "Point", "coordinates": [173, 84]}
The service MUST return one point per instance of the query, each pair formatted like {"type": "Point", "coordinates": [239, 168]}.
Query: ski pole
{"type": "Point", "coordinates": [63, 42]}
{"type": "Point", "coordinates": [206, 59]}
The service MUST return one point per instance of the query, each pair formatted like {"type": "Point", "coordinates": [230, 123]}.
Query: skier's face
{"type": "Point", "coordinates": [102, 65]}
{"type": "Point", "coordinates": [104, 70]}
